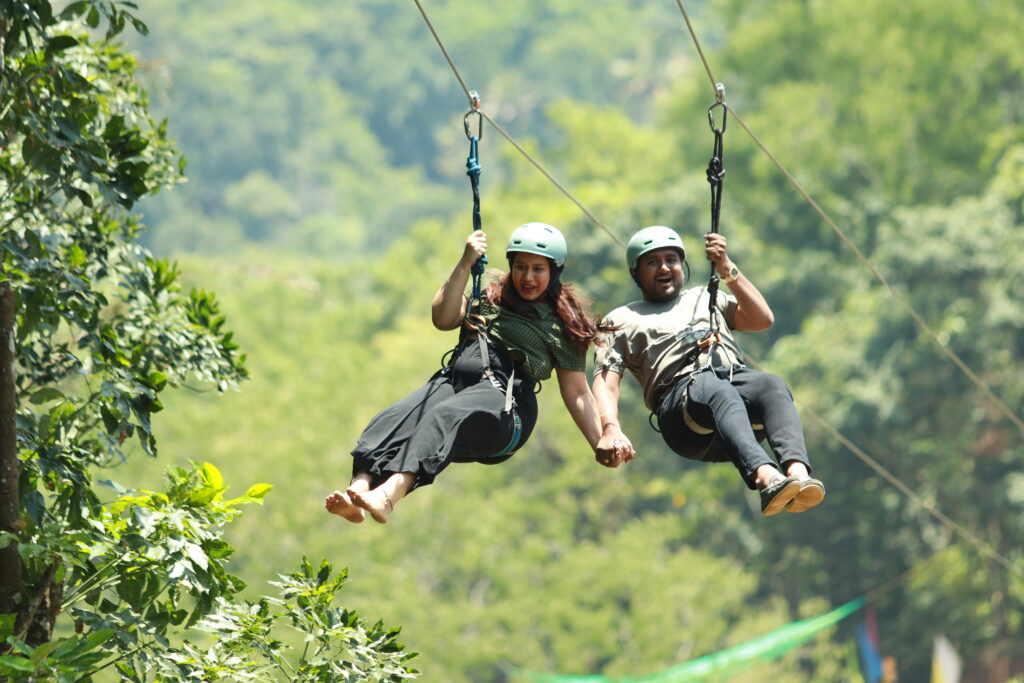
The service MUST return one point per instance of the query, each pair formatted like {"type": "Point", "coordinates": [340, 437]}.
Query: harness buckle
{"type": "Point", "coordinates": [713, 338]}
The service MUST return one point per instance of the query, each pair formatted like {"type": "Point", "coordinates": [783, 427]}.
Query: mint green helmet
{"type": "Point", "coordinates": [538, 238]}
{"type": "Point", "coordinates": [651, 238]}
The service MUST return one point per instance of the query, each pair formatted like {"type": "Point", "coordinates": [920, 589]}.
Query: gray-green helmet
{"type": "Point", "coordinates": [538, 238]}
{"type": "Point", "coordinates": [651, 238]}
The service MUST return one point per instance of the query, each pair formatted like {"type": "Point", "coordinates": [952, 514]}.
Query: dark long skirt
{"type": "Point", "coordinates": [457, 416]}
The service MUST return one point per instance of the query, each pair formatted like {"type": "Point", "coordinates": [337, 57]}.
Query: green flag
{"type": "Point", "coordinates": [770, 646]}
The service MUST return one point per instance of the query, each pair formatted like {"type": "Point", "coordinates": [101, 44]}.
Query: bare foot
{"type": "Point", "coordinates": [376, 502]}
{"type": "Point", "coordinates": [341, 504]}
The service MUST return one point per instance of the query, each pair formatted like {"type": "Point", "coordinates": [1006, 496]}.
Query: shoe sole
{"type": "Point", "coordinates": [782, 499]}
{"type": "Point", "coordinates": [811, 493]}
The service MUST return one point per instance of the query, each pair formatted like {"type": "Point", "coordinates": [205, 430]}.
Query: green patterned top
{"type": "Point", "coordinates": [536, 340]}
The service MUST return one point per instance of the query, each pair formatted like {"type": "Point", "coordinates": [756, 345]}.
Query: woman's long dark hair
{"type": "Point", "coordinates": [571, 308]}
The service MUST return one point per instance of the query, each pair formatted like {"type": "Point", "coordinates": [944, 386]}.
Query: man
{"type": "Point", "coordinates": [710, 406]}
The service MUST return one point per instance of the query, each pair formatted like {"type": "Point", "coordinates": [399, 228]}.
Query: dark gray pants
{"type": "Point", "coordinates": [729, 406]}
{"type": "Point", "coordinates": [457, 416]}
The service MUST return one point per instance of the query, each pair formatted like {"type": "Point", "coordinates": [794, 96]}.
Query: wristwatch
{"type": "Point", "coordinates": [733, 273]}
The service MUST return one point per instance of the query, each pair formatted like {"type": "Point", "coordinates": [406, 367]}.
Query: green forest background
{"type": "Point", "coordinates": [326, 201]}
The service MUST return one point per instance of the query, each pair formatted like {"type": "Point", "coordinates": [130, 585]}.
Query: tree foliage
{"type": "Point", "coordinates": [99, 329]}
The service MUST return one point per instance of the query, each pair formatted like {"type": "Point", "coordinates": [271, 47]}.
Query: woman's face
{"type": "Point", "coordinates": [531, 274]}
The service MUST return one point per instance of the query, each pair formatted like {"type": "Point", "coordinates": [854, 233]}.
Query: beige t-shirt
{"type": "Point", "coordinates": [654, 339]}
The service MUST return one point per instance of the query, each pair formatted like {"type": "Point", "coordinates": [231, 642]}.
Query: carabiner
{"type": "Point", "coordinates": [474, 103]}
{"type": "Point", "coordinates": [719, 102]}
{"type": "Point", "coordinates": [711, 117]}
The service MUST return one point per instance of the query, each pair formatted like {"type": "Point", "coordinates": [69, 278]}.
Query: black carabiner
{"type": "Point", "coordinates": [711, 117]}
{"type": "Point", "coordinates": [719, 102]}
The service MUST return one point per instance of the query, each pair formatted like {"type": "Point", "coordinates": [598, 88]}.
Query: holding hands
{"type": "Point", "coordinates": [614, 448]}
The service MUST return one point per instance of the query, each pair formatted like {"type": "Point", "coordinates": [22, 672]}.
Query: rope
{"type": "Point", "coordinates": [455, 71]}
{"type": "Point", "coordinates": [963, 533]}
{"type": "Point", "coordinates": [696, 42]}
{"type": "Point", "coordinates": [952, 355]}
{"type": "Point", "coordinates": [716, 178]}
{"type": "Point", "coordinates": [474, 103]}
{"type": "Point", "coordinates": [555, 182]}
{"type": "Point", "coordinates": [473, 171]}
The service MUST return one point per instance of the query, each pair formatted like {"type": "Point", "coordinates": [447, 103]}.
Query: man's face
{"type": "Point", "coordinates": [659, 274]}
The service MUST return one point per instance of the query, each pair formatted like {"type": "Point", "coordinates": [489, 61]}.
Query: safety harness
{"type": "Point", "coordinates": [716, 178]}
{"type": "Point", "coordinates": [473, 321]}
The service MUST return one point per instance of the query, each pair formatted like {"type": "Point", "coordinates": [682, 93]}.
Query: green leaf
{"type": "Point", "coordinates": [196, 554]}
{"type": "Point", "coordinates": [7, 626]}
{"type": "Point", "coordinates": [71, 130]}
{"type": "Point", "coordinates": [42, 651]}
{"type": "Point", "coordinates": [218, 549]}
{"type": "Point", "coordinates": [45, 394]}
{"type": "Point", "coordinates": [158, 380]}
{"type": "Point", "coordinates": [59, 44]}
{"type": "Point", "coordinates": [13, 665]}
{"type": "Point", "coordinates": [212, 476]}
{"type": "Point", "coordinates": [74, 9]}
{"type": "Point", "coordinates": [94, 640]}
{"type": "Point", "coordinates": [258, 491]}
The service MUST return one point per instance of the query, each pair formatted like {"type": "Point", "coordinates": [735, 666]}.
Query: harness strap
{"type": "Point", "coordinates": [517, 432]}
{"type": "Point", "coordinates": [517, 422]}
{"type": "Point", "coordinates": [691, 421]}
{"type": "Point", "coordinates": [485, 358]}
{"type": "Point", "coordinates": [716, 178]}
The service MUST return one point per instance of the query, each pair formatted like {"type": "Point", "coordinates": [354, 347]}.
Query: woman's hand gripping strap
{"type": "Point", "coordinates": [473, 171]}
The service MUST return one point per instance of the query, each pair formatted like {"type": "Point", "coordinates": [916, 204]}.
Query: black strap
{"type": "Point", "coordinates": [473, 169]}
{"type": "Point", "coordinates": [716, 178]}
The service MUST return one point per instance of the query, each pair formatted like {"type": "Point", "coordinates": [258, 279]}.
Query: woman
{"type": "Point", "coordinates": [481, 407]}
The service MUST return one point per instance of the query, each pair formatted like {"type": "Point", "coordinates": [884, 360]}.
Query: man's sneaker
{"type": "Point", "coordinates": [775, 497]}
{"type": "Point", "coordinates": [811, 492]}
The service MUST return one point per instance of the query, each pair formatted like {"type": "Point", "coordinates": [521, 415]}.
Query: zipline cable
{"type": "Point", "coordinates": [871, 462]}
{"type": "Point", "coordinates": [566, 192]}
{"type": "Point", "coordinates": [474, 103]}
{"type": "Point", "coordinates": [700, 51]}
{"type": "Point", "coordinates": [961, 531]}
{"type": "Point", "coordinates": [952, 355]}
{"type": "Point", "coordinates": [929, 507]}
{"type": "Point", "coordinates": [437, 38]}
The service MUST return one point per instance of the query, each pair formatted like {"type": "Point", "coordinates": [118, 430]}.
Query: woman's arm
{"type": "Point", "coordinates": [606, 398]}
{"type": "Point", "coordinates": [579, 401]}
{"type": "Point", "coordinates": [449, 305]}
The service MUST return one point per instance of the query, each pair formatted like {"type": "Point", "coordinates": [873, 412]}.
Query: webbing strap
{"type": "Point", "coordinates": [485, 358]}
{"type": "Point", "coordinates": [691, 422]}
{"type": "Point", "coordinates": [513, 443]}
{"type": "Point", "coordinates": [716, 178]}
{"type": "Point", "coordinates": [473, 169]}
{"type": "Point", "coordinates": [517, 422]}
